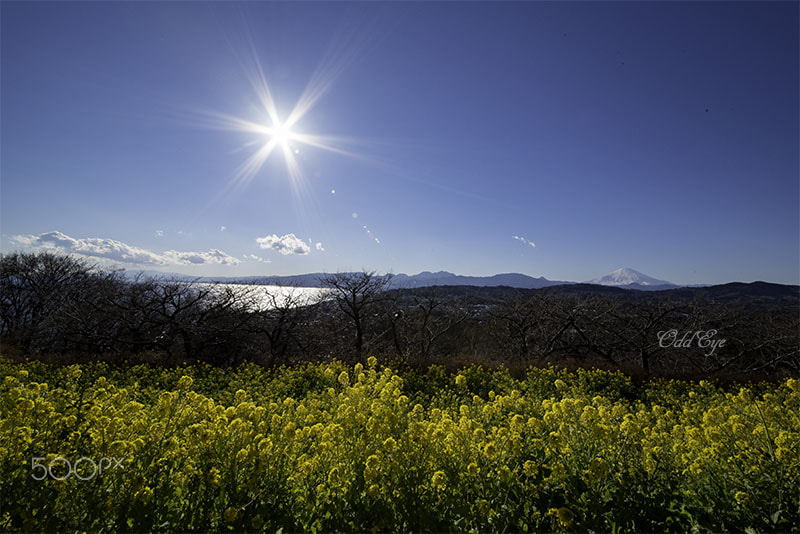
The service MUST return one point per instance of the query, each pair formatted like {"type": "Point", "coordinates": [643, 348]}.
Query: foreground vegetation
{"type": "Point", "coordinates": [331, 447]}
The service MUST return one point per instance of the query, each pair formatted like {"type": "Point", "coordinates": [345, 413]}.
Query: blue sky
{"type": "Point", "coordinates": [659, 136]}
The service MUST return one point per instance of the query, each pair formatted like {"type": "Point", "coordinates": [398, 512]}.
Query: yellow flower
{"type": "Point", "coordinates": [185, 382]}
{"type": "Point", "coordinates": [649, 465]}
{"type": "Point", "coordinates": [374, 490]}
{"type": "Point", "coordinates": [214, 477]}
{"type": "Point", "coordinates": [372, 461]}
{"type": "Point", "coordinates": [517, 421]}
{"type": "Point", "coordinates": [265, 446]}
{"type": "Point", "coordinates": [473, 469]}
{"type": "Point", "coordinates": [461, 381]}
{"type": "Point", "coordinates": [371, 469]}
{"type": "Point", "coordinates": [372, 361]}
{"type": "Point", "coordinates": [793, 384]}
{"type": "Point", "coordinates": [343, 379]}
{"type": "Point", "coordinates": [439, 480]}
{"type": "Point", "coordinates": [529, 468]}
{"type": "Point", "coordinates": [560, 384]}
{"type": "Point", "coordinates": [334, 477]}
{"type": "Point", "coordinates": [741, 498]}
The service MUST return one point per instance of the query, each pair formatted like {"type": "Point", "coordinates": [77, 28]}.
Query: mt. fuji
{"type": "Point", "coordinates": [627, 277]}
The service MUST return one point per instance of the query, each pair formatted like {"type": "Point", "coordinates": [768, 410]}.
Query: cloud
{"type": "Point", "coordinates": [199, 258]}
{"type": "Point", "coordinates": [223, 228]}
{"type": "Point", "coordinates": [256, 258]}
{"type": "Point", "coordinates": [24, 240]}
{"type": "Point", "coordinates": [92, 246]}
{"type": "Point", "coordinates": [287, 244]}
{"type": "Point", "coordinates": [111, 249]}
{"type": "Point", "coordinates": [159, 233]}
{"type": "Point", "coordinates": [520, 238]}
{"type": "Point", "coordinates": [318, 246]}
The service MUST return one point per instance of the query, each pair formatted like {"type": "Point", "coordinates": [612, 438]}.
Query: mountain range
{"type": "Point", "coordinates": [625, 278]}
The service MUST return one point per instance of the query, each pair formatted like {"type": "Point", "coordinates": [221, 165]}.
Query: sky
{"type": "Point", "coordinates": [556, 139]}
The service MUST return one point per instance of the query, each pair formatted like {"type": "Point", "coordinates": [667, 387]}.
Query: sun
{"type": "Point", "coordinates": [281, 134]}
{"type": "Point", "coordinates": [274, 134]}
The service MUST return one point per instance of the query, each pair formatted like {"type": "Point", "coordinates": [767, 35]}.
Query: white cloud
{"type": "Point", "coordinates": [287, 244]}
{"type": "Point", "coordinates": [198, 258]}
{"type": "Point", "coordinates": [256, 258]}
{"type": "Point", "coordinates": [223, 228]}
{"type": "Point", "coordinates": [92, 246]}
{"type": "Point", "coordinates": [24, 240]}
{"type": "Point", "coordinates": [159, 233]}
{"type": "Point", "coordinates": [111, 249]}
{"type": "Point", "coordinates": [318, 246]}
{"type": "Point", "coordinates": [520, 238]}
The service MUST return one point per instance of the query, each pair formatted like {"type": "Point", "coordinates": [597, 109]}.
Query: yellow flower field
{"type": "Point", "coordinates": [330, 447]}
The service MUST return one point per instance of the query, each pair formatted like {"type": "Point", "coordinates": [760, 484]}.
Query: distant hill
{"type": "Point", "coordinates": [444, 278]}
{"type": "Point", "coordinates": [755, 294]}
{"type": "Point", "coordinates": [423, 279]}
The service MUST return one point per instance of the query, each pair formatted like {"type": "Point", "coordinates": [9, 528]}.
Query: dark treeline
{"type": "Point", "coordinates": [59, 306]}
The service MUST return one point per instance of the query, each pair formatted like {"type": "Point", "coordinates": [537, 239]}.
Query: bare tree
{"type": "Point", "coordinates": [418, 328]}
{"type": "Point", "coordinates": [34, 289]}
{"type": "Point", "coordinates": [355, 294]}
{"type": "Point", "coordinates": [281, 317]}
{"type": "Point", "coordinates": [515, 319]}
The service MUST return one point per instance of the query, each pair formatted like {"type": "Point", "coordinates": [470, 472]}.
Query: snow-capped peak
{"type": "Point", "coordinates": [627, 276]}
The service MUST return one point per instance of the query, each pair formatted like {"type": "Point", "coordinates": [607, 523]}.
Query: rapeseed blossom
{"type": "Point", "coordinates": [310, 449]}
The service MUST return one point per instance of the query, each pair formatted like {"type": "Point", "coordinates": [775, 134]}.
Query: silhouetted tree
{"type": "Point", "coordinates": [34, 290]}
{"type": "Point", "coordinates": [355, 294]}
